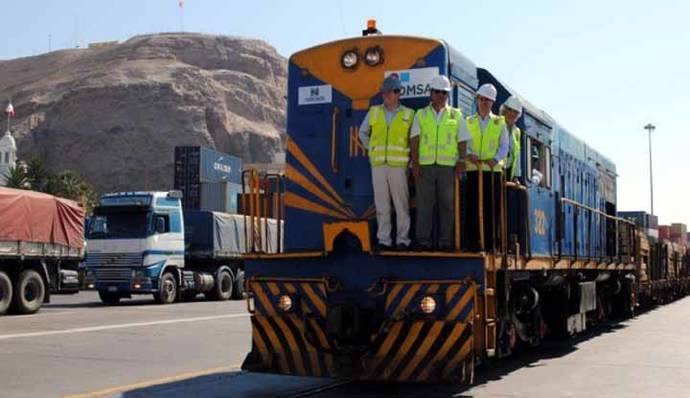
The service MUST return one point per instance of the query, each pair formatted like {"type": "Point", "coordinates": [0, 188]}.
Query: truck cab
{"type": "Point", "coordinates": [133, 239]}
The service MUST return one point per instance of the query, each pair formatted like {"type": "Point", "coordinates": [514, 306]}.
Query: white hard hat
{"type": "Point", "coordinates": [513, 103]}
{"type": "Point", "coordinates": [440, 83]}
{"type": "Point", "coordinates": [487, 90]}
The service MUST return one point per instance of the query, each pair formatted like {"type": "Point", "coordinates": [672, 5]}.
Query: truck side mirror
{"type": "Point", "coordinates": [160, 225]}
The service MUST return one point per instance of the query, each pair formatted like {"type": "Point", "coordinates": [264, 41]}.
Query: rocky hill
{"type": "Point", "coordinates": [115, 113]}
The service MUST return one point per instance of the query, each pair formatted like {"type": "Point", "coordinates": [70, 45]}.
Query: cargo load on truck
{"type": "Point", "coordinates": [34, 223]}
{"type": "Point", "coordinates": [211, 234]}
{"type": "Point", "coordinates": [41, 244]}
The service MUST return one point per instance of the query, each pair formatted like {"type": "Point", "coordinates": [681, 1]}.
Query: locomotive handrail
{"type": "Point", "coordinates": [456, 208]}
{"type": "Point", "coordinates": [334, 129]}
{"type": "Point", "coordinates": [504, 214]}
{"type": "Point", "coordinates": [499, 221]}
{"type": "Point", "coordinates": [493, 212]}
{"type": "Point", "coordinates": [255, 209]}
{"type": "Point", "coordinates": [480, 202]}
{"type": "Point", "coordinates": [628, 225]}
{"type": "Point", "coordinates": [578, 204]}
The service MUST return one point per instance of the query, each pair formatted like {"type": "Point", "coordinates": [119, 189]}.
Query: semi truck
{"type": "Point", "coordinates": [146, 243]}
{"type": "Point", "coordinates": [41, 245]}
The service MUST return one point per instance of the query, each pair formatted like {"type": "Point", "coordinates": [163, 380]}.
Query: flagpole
{"type": "Point", "coordinates": [181, 7]}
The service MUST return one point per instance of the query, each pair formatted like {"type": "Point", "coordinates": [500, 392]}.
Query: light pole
{"type": "Point", "coordinates": [650, 129]}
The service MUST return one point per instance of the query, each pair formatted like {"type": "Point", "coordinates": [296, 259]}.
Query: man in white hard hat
{"type": "Point", "coordinates": [438, 143]}
{"type": "Point", "coordinates": [385, 131]}
{"type": "Point", "coordinates": [488, 147]}
{"type": "Point", "coordinates": [511, 110]}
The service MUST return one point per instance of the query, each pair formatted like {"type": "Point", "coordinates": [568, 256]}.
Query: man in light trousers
{"type": "Point", "coordinates": [385, 131]}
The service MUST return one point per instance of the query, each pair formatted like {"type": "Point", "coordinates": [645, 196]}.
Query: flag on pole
{"type": "Point", "coordinates": [10, 109]}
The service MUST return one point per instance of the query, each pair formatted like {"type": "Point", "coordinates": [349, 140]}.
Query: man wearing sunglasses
{"type": "Point", "coordinates": [385, 132]}
{"type": "Point", "coordinates": [488, 148]}
{"type": "Point", "coordinates": [438, 141]}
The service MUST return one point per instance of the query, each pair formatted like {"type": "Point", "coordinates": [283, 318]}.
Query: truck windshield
{"type": "Point", "coordinates": [121, 225]}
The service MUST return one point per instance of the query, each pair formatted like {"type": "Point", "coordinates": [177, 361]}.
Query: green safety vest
{"type": "Point", "coordinates": [390, 145]}
{"type": "Point", "coordinates": [485, 145]}
{"type": "Point", "coordinates": [438, 143]}
{"type": "Point", "coordinates": [514, 155]}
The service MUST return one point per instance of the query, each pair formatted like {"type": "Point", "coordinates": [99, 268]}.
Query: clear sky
{"type": "Point", "coordinates": [603, 69]}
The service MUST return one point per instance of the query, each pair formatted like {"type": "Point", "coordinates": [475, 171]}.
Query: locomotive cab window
{"type": "Point", "coordinates": [538, 163]}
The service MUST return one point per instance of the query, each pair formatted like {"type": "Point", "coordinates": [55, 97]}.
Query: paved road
{"type": "Point", "coordinates": [75, 346]}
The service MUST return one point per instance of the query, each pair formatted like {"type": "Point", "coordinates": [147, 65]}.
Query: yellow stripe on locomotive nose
{"type": "Point", "coordinates": [364, 81]}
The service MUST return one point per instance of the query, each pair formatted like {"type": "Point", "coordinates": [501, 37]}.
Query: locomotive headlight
{"type": "Point", "coordinates": [350, 59]}
{"type": "Point", "coordinates": [427, 305]}
{"type": "Point", "coordinates": [285, 303]}
{"type": "Point", "coordinates": [373, 56]}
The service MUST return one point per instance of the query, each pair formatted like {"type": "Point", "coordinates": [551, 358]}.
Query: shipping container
{"type": "Point", "coordinates": [643, 219]}
{"type": "Point", "coordinates": [678, 230]}
{"type": "Point", "coordinates": [220, 196]}
{"type": "Point", "coordinates": [196, 165]}
{"type": "Point", "coordinates": [652, 221]}
{"type": "Point", "coordinates": [665, 232]}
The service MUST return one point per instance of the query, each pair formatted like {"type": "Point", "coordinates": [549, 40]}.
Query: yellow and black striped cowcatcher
{"type": "Point", "coordinates": [292, 342]}
{"type": "Point", "coordinates": [416, 347]}
{"type": "Point", "coordinates": [409, 346]}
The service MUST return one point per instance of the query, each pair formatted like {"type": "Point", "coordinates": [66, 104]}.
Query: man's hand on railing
{"type": "Point", "coordinates": [474, 159]}
{"type": "Point", "coordinates": [459, 168]}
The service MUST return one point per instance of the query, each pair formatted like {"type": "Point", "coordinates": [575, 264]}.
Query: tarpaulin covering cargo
{"type": "Point", "coordinates": [28, 216]}
{"type": "Point", "coordinates": [217, 235]}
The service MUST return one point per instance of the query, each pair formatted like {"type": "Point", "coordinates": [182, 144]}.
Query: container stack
{"type": "Point", "coordinates": [209, 180]}
{"type": "Point", "coordinates": [645, 221]}
{"type": "Point", "coordinates": [679, 233]}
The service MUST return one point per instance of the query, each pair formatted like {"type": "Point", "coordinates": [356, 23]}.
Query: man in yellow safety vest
{"type": "Point", "coordinates": [385, 131]}
{"type": "Point", "coordinates": [511, 110]}
{"type": "Point", "coordinates": [438, 142]}
{"type": "Point", "coordinates": [488, 148]}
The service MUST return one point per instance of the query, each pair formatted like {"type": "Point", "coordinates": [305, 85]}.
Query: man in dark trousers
{"type": "Point", "coordinates": [488, 147]}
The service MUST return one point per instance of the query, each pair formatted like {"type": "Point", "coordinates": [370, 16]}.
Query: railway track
{"type": "Point", "coordinates": [352, 389]}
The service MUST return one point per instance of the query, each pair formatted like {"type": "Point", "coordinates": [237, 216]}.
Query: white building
{"type": "Point", "coordinates": [8, 155]}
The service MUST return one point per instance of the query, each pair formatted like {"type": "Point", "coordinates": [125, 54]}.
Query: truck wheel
{"type": "Point", "coordinates": [238, 289]}
{"type": "Point", "coordinates": [167, 290]}
{"type": "Point", "coordinates": [222, 289]}
{"type": "Point", "coordinates": [5, 292]}
{"type": "Point", "coordinates": [29, 292]}
{"type": "Point", "coordinates": [109, 298]}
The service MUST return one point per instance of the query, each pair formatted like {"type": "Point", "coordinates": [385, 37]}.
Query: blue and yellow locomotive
{"type": "Point", "coordinates": [328, 305]}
